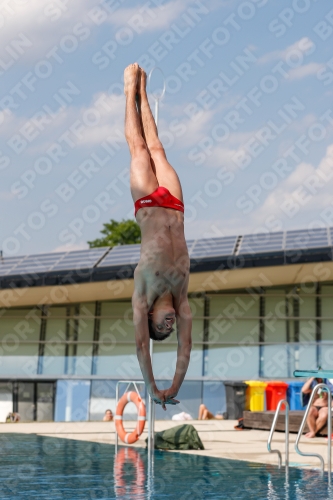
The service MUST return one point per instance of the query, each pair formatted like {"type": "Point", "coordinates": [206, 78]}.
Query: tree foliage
{"type": "Point", "coordinates": [125, 232]}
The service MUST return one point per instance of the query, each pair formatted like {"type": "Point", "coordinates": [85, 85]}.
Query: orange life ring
{"type": "Point", "coordinates": [130, 437]}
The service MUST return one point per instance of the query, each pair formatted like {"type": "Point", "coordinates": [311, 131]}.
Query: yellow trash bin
{"type": "Point", "coordinates": [255, 395]}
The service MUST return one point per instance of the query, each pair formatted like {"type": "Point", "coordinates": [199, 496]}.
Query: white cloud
{"type": "Point", "coordinates": [307, 187]}
{"type": "Point", "coordinates": [142, 18]}
{"type": "Point", "coordinates": [42, 23]}
{"type": "Point", "coordinates": [107, 110]}
{"type": "Point", "coordinates": [303, 47]}
{"type": "Point", "coordinates": [304, 71]}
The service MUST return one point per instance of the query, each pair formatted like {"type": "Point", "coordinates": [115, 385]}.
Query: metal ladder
{"type": "Point", "coordinates": [329, 430]}
{"type": "Point", "coordinates": [270, 437]}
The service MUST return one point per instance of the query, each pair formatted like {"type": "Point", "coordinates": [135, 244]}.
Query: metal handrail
{"type": "Point", "coordinates": [329, 430]}
{"type": "Point", "coordinates": [269, 441]}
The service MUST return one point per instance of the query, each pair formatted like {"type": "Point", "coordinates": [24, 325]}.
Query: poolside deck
{"type": "Point", "coordinates": [219, 438]}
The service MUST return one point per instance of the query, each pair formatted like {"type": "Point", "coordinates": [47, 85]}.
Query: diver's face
{"type": "Point", "coordinates": [163, 320]}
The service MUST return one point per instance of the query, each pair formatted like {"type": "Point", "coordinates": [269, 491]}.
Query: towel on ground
{"type": "Point", "coordinates": [182, 416]}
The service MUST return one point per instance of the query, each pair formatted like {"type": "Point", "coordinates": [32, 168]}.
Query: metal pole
{"type": "Point", "coordinates": [117, 399]}
{"type": "Point", "coordinates": [329, 437]}
{"type": "Point", "coordinates": [151, 407]}
{"type": "Point", "coordinates": [287, 437]}
{"type": "Point", "coordinates": [151, 423]}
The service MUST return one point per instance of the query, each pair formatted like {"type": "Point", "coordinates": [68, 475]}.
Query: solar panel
{"type": "Point", "coordinates": [213, 247]}
{"type": "Point", "coordinates": [79, 259]}
{"type": "Point", "coordinates": [198, 249]}
{"type": "Point", "coordinates": [9, 263]}
{"type": "Point", "coordinates": [330, 235]}
{"type": "Point", "coordinates": [307, 238]}
{"type": "Point", "coordinates": [51, 262]}
{"type": "Point", "coordinates": [121, 255]}
{"type": "Point", "coordinates": [261, 243]}
{"type": "Point", "coordinates": [34, 264]}
{"type": "Point", "coordinates": [190, 245]}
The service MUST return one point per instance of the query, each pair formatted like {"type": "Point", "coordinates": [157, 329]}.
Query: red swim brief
{"type": "Point", "coordinates": [161, 197]}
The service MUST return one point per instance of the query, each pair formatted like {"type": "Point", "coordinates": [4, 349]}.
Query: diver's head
{"type": "Point", "coordinates": [160, 322]}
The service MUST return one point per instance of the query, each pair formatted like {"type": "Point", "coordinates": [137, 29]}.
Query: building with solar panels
{"type": "Point", "coordinates": [262, 307]}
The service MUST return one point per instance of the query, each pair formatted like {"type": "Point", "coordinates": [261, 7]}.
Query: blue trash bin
{"type": "Point", "coordinates": [294, 395]}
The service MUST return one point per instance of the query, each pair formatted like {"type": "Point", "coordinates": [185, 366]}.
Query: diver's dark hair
{"type": "Point", "coordinates": [153, 335]}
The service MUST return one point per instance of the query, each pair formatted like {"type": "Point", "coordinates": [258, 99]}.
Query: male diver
{"type": "Point", "coordinates": [162, 274]}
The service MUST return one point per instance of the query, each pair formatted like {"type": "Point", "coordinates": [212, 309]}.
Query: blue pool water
{"type": "Point", "coordinates": [34, 467]}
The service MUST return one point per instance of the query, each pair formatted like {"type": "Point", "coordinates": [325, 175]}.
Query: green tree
{"type": "Point", "coordinates": [125, 232]}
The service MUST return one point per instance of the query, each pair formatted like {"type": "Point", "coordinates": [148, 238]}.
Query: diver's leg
{"type": "Point", "coordinates": [165, 173]}
{"type": "Point", "coordinates": [142, 178]}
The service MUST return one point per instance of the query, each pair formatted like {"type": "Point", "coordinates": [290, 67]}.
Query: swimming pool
{"type": "Point", "coordinates": [51, 468]}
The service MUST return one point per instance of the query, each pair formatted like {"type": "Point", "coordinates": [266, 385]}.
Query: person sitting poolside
{"type": "Point", "coordinates": [13, 417]}
{"type": "Point", "coordinates": [108, 416]}
{"type": "Point", "coordinates": [318, 413]}
{"type": "Point", "coordinates": [205, 414]}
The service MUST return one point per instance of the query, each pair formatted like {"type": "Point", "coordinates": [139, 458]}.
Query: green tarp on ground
{"type": "Point", "coordinates": [182, 437]}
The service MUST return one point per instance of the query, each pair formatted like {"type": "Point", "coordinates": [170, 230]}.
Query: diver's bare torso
{"type": "Point", "coordinates": [164, 262]}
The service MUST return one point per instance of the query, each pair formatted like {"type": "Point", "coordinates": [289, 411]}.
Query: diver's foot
{"type": "Point", "coordinates": [310, 435]}
{"type": "Point", "coordinates": [131, 78]}
{"type": "Point", "coordinates": [143, 82]}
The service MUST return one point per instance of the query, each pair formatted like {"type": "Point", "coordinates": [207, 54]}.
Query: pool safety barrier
{"type": "Point", "coordinates": [130, 437]}
{"type": "Point", "coordinates": [329, 430]}
{"type": "Point", "coordinates": [269, 442]}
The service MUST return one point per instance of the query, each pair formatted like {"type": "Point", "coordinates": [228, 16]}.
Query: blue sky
{"type": "Point", "coordinates": [247, 118]}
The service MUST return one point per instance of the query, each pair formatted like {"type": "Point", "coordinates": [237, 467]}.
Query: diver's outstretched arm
{"type": "Point", "coordinates": [184, 334]}
{"type": "Point", "coordinates": [140, 320]}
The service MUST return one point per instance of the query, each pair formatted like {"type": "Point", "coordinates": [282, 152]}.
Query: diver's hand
{"type": "Point", "coordinates": [169, 395]}
{"type": "Point", "coordinates": [164, 398]}
{"type": "Point", "coordinates": [158, 397]}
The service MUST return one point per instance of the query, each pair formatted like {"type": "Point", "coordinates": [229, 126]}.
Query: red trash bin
{"type": "Point", "coordinates": [275, 391]}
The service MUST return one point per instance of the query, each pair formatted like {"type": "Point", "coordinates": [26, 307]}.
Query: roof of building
{"type": "Point", "coordinates": [209, 254]}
